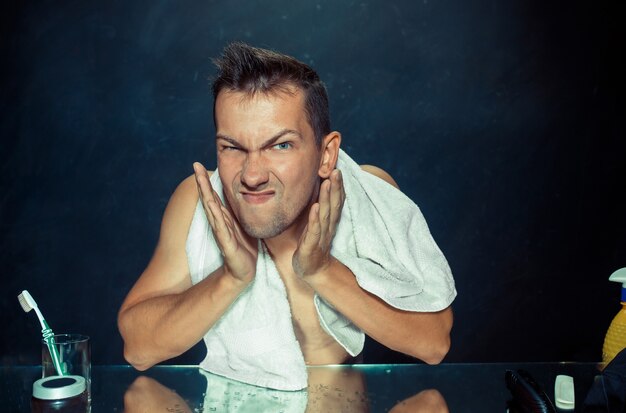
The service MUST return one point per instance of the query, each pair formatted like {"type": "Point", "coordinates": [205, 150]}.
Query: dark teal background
{"type": "Point", "coordinates": [503, 121]}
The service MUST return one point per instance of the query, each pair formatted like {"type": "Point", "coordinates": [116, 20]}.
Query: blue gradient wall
{"type": "Point", "coordinates": [502, 120]}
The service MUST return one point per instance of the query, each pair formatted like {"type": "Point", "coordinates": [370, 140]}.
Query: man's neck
{"type": "Point", "coordinates": [289, 238]}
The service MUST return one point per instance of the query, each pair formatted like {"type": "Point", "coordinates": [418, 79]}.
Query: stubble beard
{"type": "Point", "coordinates": [277, 224]}
{"type": "Point", "coordinates": [280, 220]}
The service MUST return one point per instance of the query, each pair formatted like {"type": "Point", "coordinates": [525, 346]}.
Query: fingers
{"type": "Point", "coordinates": [324, 215]}
{"type": "Point", "coordinates": [331, 201]}
{"type": "Point", "coordinates": [337, 197]}
{"type": "Point", "coordinates": [216, 213]}
{"type": "Point", "coordinates": [312, 232]}
{"type": "Point", "coordinates": [205, 191]}
{"type": "Point", "coordinates": [324, 208]}
{"type": "Point", "coordinates": [202, 180]}
{"type": "Point", "coordinates": [313, 252]}
{"type": "Point", "coordinates": [305, 255]}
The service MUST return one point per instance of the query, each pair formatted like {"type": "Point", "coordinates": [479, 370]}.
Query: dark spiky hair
{"type": "Point", "coordinates": [243, 68]}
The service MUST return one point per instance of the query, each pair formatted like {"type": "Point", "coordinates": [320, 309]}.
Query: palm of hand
{"type": "Point", "coordinates": [313, 252]}
{"type": "Point", "coordinates": [238, 249]}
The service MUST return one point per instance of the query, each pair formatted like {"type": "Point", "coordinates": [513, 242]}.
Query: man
{"type": "Point", "coordinates": [282, 198]}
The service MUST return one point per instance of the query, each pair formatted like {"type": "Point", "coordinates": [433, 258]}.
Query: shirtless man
{"type": "Point", "coordinates": [276, 157]}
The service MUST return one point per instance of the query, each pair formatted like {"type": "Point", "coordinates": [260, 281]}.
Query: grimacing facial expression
{"type": "Point", "coordinates": [267, 158]}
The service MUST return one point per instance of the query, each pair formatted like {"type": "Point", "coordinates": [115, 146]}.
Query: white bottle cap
{"type": "Point", "coordinates": [620, 277]}
{"type": "Point", "coordinates": [58, 387]}
{"type": "Point", "coordinates": [564, 392]}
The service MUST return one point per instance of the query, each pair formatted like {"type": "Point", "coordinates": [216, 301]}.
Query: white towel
{"type": "Point", "coordinates": [381, 236]}
{"type": "Point", "coordinates": [225, 395]}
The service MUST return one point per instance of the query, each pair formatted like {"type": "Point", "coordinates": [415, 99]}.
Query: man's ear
{"type": "Point", "coordinates": [330, 153]}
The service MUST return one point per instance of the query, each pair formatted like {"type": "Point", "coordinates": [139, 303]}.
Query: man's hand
{"type": "Point", "coordinates": [313, 252]}
{"type": "Point", "coordinates": [238, 249]}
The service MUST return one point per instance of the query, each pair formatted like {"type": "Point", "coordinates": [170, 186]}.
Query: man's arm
{"type": "Point", "coordinates": [163, 314]}
{"type": "Point", "coordinates": [425, 336]}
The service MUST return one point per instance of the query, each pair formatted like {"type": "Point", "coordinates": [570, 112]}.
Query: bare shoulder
{"type": "Point", "coordinates": [187, 189]}
{"type": "Point", "coordinates": [180, 208]}
{"type": "Point", "coordinates": [168, 271]}
{"type": "Point", "coordinates": [376, 171]}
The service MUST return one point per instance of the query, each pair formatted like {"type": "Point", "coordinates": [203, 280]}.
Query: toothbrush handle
{"type": "Point", "coordinates": [48, 337]}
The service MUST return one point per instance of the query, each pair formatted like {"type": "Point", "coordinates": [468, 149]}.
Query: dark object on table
{"type": "Point", "coordinates": [608, 392]}
{"type": "Point", "coordinates": [528, 395]}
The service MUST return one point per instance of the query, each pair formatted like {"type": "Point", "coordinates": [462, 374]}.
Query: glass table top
{"type": "Point", "coordinates": [356, 388]}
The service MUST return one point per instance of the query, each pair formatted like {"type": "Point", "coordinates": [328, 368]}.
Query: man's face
{"type": "Point", "coordinates": [267, 158]}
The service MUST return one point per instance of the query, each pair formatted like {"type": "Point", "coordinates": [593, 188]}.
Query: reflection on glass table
{"type": "Point", "coordinates": [358, 388]}
{"type": "Point", "coordinates": [329, 390]}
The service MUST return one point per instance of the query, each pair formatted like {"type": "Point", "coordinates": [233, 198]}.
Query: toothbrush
{"type": "Point", "coordinates": [28, 303]}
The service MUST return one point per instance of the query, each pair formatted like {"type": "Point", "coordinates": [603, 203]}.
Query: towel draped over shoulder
{"type": "Point", "coordinates": [381, 237]}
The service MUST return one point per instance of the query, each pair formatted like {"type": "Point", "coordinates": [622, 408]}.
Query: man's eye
{"type": "Point", "coordinates": [284, 145]}
{"type": "Point", "coordinates": [231, 148]}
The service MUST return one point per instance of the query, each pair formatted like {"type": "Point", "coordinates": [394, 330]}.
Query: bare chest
{"type": "Point", "coordinates": [317, 346]}
{"type": "Point", "coordinates": [301, 300]}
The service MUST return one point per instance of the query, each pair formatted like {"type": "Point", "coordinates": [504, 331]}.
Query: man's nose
{"type": "Point", "coordinates": [254, 173]}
